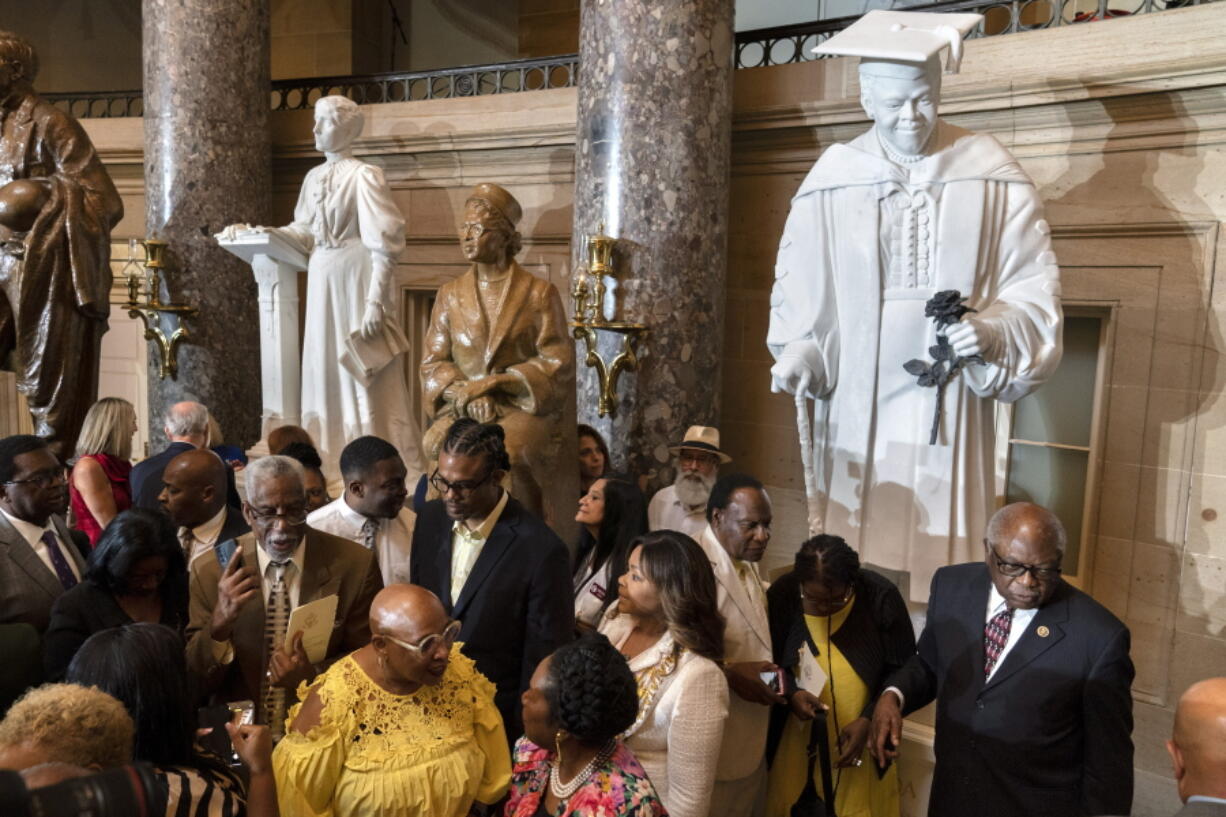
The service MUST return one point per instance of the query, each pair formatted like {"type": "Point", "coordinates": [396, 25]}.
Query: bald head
{"type": "Point", "coordinates": [195, 487]}
{"type": "Point", "coordinates": [1198, 744]}
{"type": "Point", "coordinates": [407, 612]}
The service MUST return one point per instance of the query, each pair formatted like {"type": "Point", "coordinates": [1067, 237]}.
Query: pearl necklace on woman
{"type": "Point", "coordinates": [563, 791]}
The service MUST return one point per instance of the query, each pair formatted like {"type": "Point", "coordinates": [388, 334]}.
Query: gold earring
{"type": "Point", "coordinates": [557, 745]}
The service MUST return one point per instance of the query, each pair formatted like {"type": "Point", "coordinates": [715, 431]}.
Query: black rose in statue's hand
{"type": "Point", "coordinates": [946, 307]}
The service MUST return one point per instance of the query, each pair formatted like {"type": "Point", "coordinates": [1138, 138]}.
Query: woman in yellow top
{"type": "Point", "coordinates": [404, 726]}
{"type": "Point", "coordinates": [855, 624]}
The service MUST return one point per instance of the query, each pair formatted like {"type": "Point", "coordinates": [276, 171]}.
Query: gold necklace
{"type": "Point", "coordinates": [649, 682]}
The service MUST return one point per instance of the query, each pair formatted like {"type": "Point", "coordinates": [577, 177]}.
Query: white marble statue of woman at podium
{"type": "Point", "coordinates": [353, 231]}
{"type": "Point", "coordinates": [912, 207]}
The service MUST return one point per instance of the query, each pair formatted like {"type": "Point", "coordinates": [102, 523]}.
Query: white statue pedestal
{"type": "Point", "coordinates": [276, 263]}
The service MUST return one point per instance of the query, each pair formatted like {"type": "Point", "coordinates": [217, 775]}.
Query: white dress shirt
{"type": "Point", "coordinates": [204, 536]}
{"type": "Point", "coordinates": [393, 537]}
{"type": "Point", "coordinates": [33, 534]}
{"type": "Point", "coordinates": [667, 513]}
{"type": "Point", "coordinates": [1019, 623]}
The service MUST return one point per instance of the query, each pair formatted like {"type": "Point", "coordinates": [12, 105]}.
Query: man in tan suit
{"type": "Point", "coordinates": [237, 639]}
{"type": "Point", "coordinates": [739, 516]}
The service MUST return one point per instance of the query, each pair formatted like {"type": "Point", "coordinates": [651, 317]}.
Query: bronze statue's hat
{"type": "Point", "coordinates": [499, 199]}
{"type": "Point", "coordinates": [902, 37]}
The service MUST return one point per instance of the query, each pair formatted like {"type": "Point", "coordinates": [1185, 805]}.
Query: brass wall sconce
{"type": "Point", "coordinates": [148, 274]}
{"type": "Point", "coordinates": [589, 318]}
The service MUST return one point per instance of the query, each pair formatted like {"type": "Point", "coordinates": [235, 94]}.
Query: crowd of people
{"type": "Point", "coordinates": [470, 662]}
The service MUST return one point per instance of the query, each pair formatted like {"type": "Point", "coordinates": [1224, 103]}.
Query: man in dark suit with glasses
{"type": "Point", "coordinates": [1032, 682]}
{"type": "Point", "coordinates": [495, 566]}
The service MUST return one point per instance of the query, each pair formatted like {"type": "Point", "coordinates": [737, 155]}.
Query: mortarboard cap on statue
{"type": "Point", "coordinates": [499, 199]}
{"type": "Point", "coordinates": [915, 37]}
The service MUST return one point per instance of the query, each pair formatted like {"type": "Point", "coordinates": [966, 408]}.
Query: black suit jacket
{"type": "Point", "coordinates": [146, 478]}
{"type": "Point", "coordinates": [1051, 733]}
{"type": "Point", "coordinates": [89, 608]}
{"type": "Point", "coordinates": [516, 606]}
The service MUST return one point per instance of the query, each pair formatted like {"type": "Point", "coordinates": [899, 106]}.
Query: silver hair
{"type": "Point", "coordinates": [186, 419]}
{"type": "Point", "coordinates": [273, 466]}
{"type": "Point", "coordinates": [1047, 524]}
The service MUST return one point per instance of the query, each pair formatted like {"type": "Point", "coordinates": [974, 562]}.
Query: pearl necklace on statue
{"type": "Point", "coordinates": [563, 791]}
{"type": "Point", "coordinates": [901, 158]}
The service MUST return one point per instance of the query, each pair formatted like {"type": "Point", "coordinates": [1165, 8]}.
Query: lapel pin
{"type": "Point", "coordinates": [1043, 631]}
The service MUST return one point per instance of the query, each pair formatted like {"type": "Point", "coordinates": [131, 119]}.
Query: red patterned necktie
{"type": "Point", "coordinates": [995, 637]}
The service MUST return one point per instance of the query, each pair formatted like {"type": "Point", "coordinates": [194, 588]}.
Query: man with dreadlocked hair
{"type": "Point", "coordinates": [496, 567]}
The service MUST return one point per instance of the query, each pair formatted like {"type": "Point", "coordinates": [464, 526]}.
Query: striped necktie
{"type": "Point", "coordinates": [276, 619]}
{"type": "Point", "coordinates": [995, 637]}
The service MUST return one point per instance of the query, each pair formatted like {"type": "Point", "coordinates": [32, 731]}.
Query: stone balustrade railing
{"type": "Point", "coordinates": [754, 49]}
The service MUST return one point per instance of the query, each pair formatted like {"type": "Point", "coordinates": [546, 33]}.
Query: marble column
{"type": "Point", "coordinates": [652, 164]}
{"type": "Point", "coordinates": [207, 164]}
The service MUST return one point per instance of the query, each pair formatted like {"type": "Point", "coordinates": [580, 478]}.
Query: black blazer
{"type": "Point", "coordinates": [146, 478]}
{"type": "Point", "coordinates": [876, 638]}
{"type": "Point", "coordinates": [1051, 733]}
{"type": "Point", "coordinates": [516, 606]}
{"type": "Point", "coordinates": [88, 608]}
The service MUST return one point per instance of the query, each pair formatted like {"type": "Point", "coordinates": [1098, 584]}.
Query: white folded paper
{"type": "Point", "coordinates": [315, 620]}
{"type": "Point", "coordinates": [809, 674]}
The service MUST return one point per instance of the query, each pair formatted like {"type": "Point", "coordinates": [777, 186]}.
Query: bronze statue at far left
{"type": "Point", "coordinates": [57, 208]}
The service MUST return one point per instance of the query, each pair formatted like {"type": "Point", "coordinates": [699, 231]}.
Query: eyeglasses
{"type": "Point", "coordinates": [428, 644]}
{"type": "Point", "coordinates": [291, 518]}
{"type": "Point", "coordinates": [833, 603]}
{"type": "Point", "coordinates": [462, 488]}
{"type": "Point", "coordinates": [43, 479]}
{"type": "Point", "coordinates": [475, 227]}
{"type": "Point", "coordinates": [1014, 570]}
{"type": "Point", "coordinates": [688, 456]}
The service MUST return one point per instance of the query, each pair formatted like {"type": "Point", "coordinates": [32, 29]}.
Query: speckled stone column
{"type": "Point", "coordinates": [207, 165]}
{"type": "Point", "coordinates": [652, 163]}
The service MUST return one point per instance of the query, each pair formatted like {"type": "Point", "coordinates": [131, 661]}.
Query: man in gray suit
{"type": "Point", "coordinates": [1198, 749]}
{"type": "Point", "coordinates": [39, 558]}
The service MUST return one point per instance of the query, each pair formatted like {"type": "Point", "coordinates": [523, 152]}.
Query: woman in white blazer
{"type": "Point", "coordinates": [667, 625]}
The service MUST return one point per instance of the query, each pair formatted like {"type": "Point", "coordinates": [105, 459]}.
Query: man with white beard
{"type": "Point", "coordinates": [682, 506]}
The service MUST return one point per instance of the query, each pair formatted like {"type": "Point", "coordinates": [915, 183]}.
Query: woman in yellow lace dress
{"type": "Point", "coordinates": [405, 726]}
{"type": "Point", "coordinates": [855, 624]}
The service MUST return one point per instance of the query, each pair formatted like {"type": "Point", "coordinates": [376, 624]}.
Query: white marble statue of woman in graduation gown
{"type": "Point", "coordinates": [348, 223]}
{"type": "Point", "coordinates": [912, 207]}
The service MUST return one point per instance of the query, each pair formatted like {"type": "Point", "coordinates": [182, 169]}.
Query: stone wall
{"type": "Point", "coordinates": [1121, 125]}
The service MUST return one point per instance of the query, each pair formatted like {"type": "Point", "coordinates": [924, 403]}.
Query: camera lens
{"type": "Point", "coordinates": [129, 791]}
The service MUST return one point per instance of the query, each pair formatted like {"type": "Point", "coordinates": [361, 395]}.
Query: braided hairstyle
{"type": "Point", "coordinates": [829, 560]}
{"type": "Point", "coordinates": [590, 690]}
{"type": "Point", "coordinates": [470, 438]}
